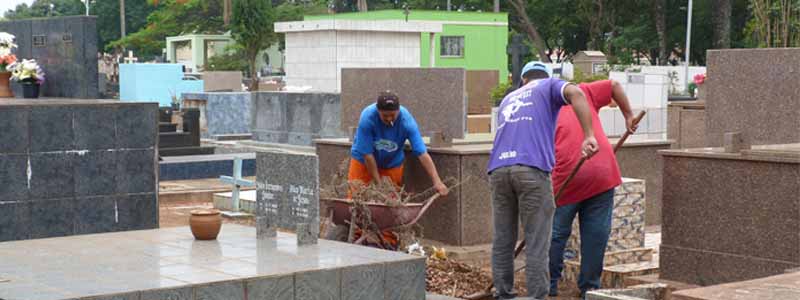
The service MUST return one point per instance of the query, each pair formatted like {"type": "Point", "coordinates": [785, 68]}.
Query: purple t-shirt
{"type": "Point", "coordinates": [526, 125]}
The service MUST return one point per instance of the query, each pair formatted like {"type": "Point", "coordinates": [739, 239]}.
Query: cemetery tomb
{"type": "Point", "coordinates": [295, 118]}
{"type": "Point", "coordinates": [65, 47]}
{"type": "Point", "coordinates": [463, 217]}
{"type": "Point", "coordinates": [221, 113]}
{"type": "Point", "coordinates": [169, 263]}
{"type": "Point", "coordinates": [185, 142]}
{"type": "Point", "coordinates": [730, 216]}
{"type": "Point", "coordinates": [73, 166]}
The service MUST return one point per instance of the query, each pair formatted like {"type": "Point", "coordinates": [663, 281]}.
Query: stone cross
{"type": "Point", "coordinates": [237, 181]}
{"type": "Point", "coordinates": [517, 49]}
{"type": "Point", "coordinates": [130, 59]}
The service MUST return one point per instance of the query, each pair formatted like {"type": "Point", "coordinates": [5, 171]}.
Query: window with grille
{"type": "Point", "coordinates": [452, 46]}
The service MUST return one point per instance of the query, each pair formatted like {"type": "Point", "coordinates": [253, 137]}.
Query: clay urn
{"type": "Point", "coordinates": [205, 223]}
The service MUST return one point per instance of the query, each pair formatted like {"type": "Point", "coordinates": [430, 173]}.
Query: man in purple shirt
{"type": "Point", "coordinates": [519, 171]}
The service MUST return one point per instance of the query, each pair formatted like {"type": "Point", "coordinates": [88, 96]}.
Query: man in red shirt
{"type": "Point", "coordinates": [590, 195]}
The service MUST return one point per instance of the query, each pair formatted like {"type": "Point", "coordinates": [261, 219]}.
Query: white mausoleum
{"type": "Point", "coordinates": [316, 51]}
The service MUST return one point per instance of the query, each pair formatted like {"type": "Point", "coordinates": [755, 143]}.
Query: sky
{"type": "Point", "coordinates": [11, 4]}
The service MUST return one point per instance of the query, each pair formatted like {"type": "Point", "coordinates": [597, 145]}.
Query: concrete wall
{"type": "Point", "coordinates": [77, 167]}
{"type": "Point", "coordinates": [316, 58]}
{"type": "Point", "coordinates": [295, 118]}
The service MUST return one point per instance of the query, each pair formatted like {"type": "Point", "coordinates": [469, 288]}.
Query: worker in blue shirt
{"type": "Point", "coordinates": [378, 148]}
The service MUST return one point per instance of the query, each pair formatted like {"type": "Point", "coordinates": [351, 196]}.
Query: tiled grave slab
{"type": "Point", "coordinates": [771, 288]}
{"type": "Point", "coordinates": [169, 264]}
{"type": "Point", "coordinates": [73, 161]}
{"type": "Point", "coordinates": [426, 92]}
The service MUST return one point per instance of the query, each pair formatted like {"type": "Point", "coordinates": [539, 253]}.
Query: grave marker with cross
{"type": "Point", "coordinates": [237, 181]}
{"type": "Point", "coordinates": [517, 49]}
{"type": "Point", "coordinates": [130, 59]}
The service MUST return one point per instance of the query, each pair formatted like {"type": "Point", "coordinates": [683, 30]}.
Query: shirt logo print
{"type": "Point", "coordinates": [386, 145]}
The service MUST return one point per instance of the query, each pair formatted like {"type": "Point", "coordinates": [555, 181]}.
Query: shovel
{"type": "Point", "coordinates": [521, 245]}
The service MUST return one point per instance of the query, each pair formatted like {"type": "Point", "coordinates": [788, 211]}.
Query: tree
{"type": "Point", "coordinates": [659, 15]}
{"type": "Point", "coordinates": [42, 8]}
{"type": "Point", "coordinates": [172, 18]}
{"type": "Point", "coordinates": [252, 28]}
{"type": "Point", "coordinates": [775, 23]}
{"type": "Point", "coordinates": [721, 20]}
{"type": "Point", "coordinates": [520, 9]}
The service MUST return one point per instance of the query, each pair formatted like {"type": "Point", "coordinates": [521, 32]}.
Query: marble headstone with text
{"type": "Point", "coordinates": [288, 194]}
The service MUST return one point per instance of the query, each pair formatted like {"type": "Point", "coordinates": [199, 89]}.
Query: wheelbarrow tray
{"type": "Point", "coordinates": [384, 216]}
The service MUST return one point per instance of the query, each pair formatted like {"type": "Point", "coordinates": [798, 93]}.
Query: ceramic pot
{"type": "Point", "coordinates": [5, 85]}
{"type": "Point", "coordinates": [205, 224]}
{"type": "Point", "coordinates": [30, 90]}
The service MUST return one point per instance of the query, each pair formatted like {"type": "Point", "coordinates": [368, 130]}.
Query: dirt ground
{"type": "Point", "coordinates": [176, 213]}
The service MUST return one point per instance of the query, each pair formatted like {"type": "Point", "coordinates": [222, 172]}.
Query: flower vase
{"type": "Point", "coordinates": [30, 90]}
{"type": "Point", "coordinates": [699, 94]}
{"type": "Point", "coordinates": [5, 85]}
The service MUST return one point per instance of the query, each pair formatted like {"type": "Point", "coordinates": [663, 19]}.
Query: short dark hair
{"type": "Point", "coordinates": [388, 101]}
{"type": "Point", "coordinates": [535, 74]}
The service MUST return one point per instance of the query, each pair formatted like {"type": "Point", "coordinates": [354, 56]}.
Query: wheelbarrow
{"type": "Point", "coordinates": [386, 217]}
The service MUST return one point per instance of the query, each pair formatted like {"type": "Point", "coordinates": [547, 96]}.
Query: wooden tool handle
{"type": "Point", "coordinates": [625, 136]}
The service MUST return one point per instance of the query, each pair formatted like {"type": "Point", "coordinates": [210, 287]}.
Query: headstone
{"type": "Point", "coordinates": [436, 97]}
{"type": "Point", "coordinates": [295, 118]}
{"type": "Point", "coordinates": [288, 194]}
{"type": "Point", "coordinates": [517, 49]}
{"type": "Point", "coordinates": [65, 47]}
{"type": "Point", "coordinates": [480, 84]}
{"type": "Point", "coordinates": [753, 91]}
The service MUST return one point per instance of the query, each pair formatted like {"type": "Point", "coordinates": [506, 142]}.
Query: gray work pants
{"type": "Point", "coordinates": [521, 193]}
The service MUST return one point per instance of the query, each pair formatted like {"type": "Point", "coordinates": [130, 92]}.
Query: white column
{"type": "Point", "coordinates": [432, 50]}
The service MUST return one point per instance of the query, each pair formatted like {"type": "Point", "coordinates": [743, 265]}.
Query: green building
{"type": "Point", "coordinates": [472, 40]}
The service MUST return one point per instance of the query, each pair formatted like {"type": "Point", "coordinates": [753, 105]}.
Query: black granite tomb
{"type": "Point", "coordinates": [65, 47]}
{"type": "Point", "coordinates": [77, 167]}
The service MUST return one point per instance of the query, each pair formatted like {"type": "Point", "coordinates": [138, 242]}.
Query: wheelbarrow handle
{"type": "Point", "coordinates": [425, 207]}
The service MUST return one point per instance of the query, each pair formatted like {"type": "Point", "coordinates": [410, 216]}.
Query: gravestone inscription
{"type": "Point", "coordinates": [288, 194]}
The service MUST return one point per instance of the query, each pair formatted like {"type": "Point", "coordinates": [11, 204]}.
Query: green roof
{"type": "Point", "coordinates": [416, 15]}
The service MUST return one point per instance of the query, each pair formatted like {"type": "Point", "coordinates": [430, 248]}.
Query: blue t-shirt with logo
{"type": "Point", "coordinates": [386, 142]}
{"type": "Point", "coordinates": [526, 124]}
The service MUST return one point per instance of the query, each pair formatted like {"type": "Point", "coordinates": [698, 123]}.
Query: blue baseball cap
{"type": "Point", "coordinates": [536, 65]}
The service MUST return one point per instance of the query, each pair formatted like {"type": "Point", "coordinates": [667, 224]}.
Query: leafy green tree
{"type": "Point", "coordinates": [252, 27]}
{"type": "Point", "coordinates": [42, 8]}
{"type": "Point", "coordinates": [173, 18]}
{"type": "Point", "coordinates": [107, 13]}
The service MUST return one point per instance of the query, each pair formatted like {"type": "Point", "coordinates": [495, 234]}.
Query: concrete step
{"type": "Point", "coordinates": [181, 151]}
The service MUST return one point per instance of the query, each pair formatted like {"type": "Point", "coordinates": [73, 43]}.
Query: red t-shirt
{"type": "Point", "coordinates": [601, 172]}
